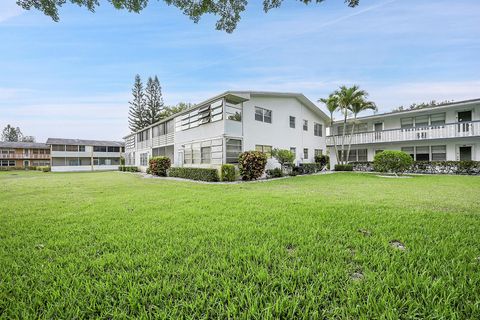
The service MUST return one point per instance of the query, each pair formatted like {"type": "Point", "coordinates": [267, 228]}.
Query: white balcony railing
{"type": "Point", "coordinates": [24, 156]}
{"type": "Point", "coordinates": [445, 131]}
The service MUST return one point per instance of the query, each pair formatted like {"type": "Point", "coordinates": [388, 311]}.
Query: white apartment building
{"type": "Point", "coordinates": [217, 130]}
{"type": "Point", "coordinates": [446, 132]}
{"type": "Point", "coordinates": [84, 155]}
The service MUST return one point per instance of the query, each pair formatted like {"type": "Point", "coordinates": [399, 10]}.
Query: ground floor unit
{"type": "Point", "coordinates": [465, 149]}
{"type": "Point", "coordinates": [215, 151]}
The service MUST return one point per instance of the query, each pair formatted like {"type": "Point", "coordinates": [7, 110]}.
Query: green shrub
{"type": "Point", "coordinates": [322, 160]}
{"type": "Point", "coordinates": [158, 166]}
{"type": "Point", "coordinates": [343, 167]}
{"type": "Point", "coordinates": [227, 172]}
{"type": "Point", "coordinates": [284, 157]}
{"type": "Point", "coordinates": [44, 168]}
{"type": "Point", "coordinates": [392, 161]}
{"type": "Point", "coordinates": [11, 168]}
{"type": "Point", "coordinates": [274, 173]}
{"type": "Point", "coordinates": [128, 169]}
{"type": "Point", "coordinates": [309, 168]}
{"type": "Point", "coordinates": [202, 174]}
{"type": "Point", "coordinates": [252, 164]}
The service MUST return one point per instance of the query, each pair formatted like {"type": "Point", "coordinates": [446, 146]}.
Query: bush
{"type": "Point", "coordinates": [44, 168]}
{"type": "Point", "coordinates": [284, 157]}
{"type": "Point", "coordinates": [227, 172]}
{"type": "Point", "coordinates": [343, 167]}
{"type": "Point", "coordinates": [202, 174]}
{"type": "Point", "coordinates": [158, 166]}
{"type": "Point", "coordinates": [322, 160]}
{"type": "Point", "coordinates": [128, 169]}
{"type": "Point", "coordinates": [274, 173]}
{"type": "Point", "coordinates": [392, 161]}
{"type": "Point", "coordinates": [252, 164]}
{"type": "Point", "coordinates": [309, 168]}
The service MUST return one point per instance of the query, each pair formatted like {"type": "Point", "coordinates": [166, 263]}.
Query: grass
{"type": "Point", "coordinates": [113, 245]}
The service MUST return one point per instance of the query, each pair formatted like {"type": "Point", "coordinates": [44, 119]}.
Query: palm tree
{"type": "Point", "coordinates": [332, 106]}
{"type": "Point", "coordinates": [358, 106]}
{"type": "Point", "coordinates": [346, 98]}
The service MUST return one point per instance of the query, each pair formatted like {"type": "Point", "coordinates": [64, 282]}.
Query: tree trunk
{"type": "Point", "coordinates": [351, 135]}
{"type": "Point", "coordinates": [335, 148]}
{"type": "Point", "coordinates": [343, 136]}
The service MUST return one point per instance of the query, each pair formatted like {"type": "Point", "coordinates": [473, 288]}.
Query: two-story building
{"type": "Point", "coordinates": [446, 132]}
{"type": "Point", "coordinates": [24, 154]}
{"type": "Point", "coordinates": [218, 129]}
{"type": "Point", "coordinates": [84, 155]}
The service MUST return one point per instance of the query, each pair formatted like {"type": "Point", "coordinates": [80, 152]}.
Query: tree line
{"type": "Point", "coordinates": [147, 106]}
{"type": "Point", "coordinates": [14, 134]}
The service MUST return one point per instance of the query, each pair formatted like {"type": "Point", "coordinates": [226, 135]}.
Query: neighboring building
{"type": "Point", "coordinates": [446, 132]}
{"type": "Point", "coordinates": [217, 130]}
{"type": "Point", "coordinates": [84, 155]}
{"type": "Point", "coordinates": [24, 154]}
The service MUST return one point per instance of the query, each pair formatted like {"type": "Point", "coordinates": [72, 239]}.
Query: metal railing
{"type": "Point", "coordinates": [444, 131]}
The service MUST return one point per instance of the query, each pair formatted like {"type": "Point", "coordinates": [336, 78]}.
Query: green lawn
{"type": "Point", "coordinates": [113, 245]}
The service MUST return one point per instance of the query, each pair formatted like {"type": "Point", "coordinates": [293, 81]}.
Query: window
{"type": "Point", "coordinates": [7, 151]}
{"type": "Point", "coordinates": [57, 147]}
{"type": "Point", "coordinates": [305, 153]}
{"type": "Point", "coordinates": [144, 159]}
{"type": "Point", "coordinates": [439, 153]}
{"type": "Point", "coordinates": [81, 148]}
{"type": "Point", "coordinates": [422, 153]}
{"type": "Point", "coordinates": [317, 129]}
{"type": "Point", "coordinates": [406, 123]}
{"type": "Point", "coordinates": [99, 149]}
{"type": "Point", "coordinates": [73, 162]}
{"type": "Point", "coordinates": [421, 121]}
{"type": "Point", "coordinates": [206, 154]}
{"type": "Point", "coordinates": [305, 125]}
{"type": "Point", "coordinates": [410, 151]}
{"type": "Point", "coordinates": [143, 136]}
{"type": "Point", "coordinates": [233, 112]}
{"type": "Point", "coordinates": [265, 149]}
{"type": "Point", "coordinates": [263, 115]}
{"type": "Point", "coordinates": [318, 152]}
{"type": "Point", "coordinates": [7, 163]}
{"type": "Point", "coordinates": [437, 119]}
{"type": "Point", "coordinates": [113, 149]}
{"type": "Point", "coordinates": [71, 148]}
{"type": "Point", "coordinates": [356, 155]}
{"type": "Point", "coordinates": [234, 148]}
{"type": "Point", "coordinates": [292, 122]}
{"type": "Point", "coordinates": [294, 151]}
{"type": "Point", "coordinates": [158, 130]}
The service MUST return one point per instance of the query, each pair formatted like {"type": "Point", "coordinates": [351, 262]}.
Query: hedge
{"type": "Point", "coordinates": [431, 167]}
{"type": "Point", "coordinates": [202, 174]}
{"type": "Point", "coordinates": [392, 161]}
{"type": "Point", "coordinates": [17, 168]}
{"type": "Point", "coordinates": [227, 172]}
{"type": "Point", "coordinates": [274, 173]}
{"type": "Point", "coordinates": [128, 169]}
{"type": "Point", "coordinates": [252, 164]}
{"type": "Point", "coordinates": [343, 167]}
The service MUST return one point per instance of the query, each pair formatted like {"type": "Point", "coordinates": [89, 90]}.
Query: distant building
{"type": "Point", "coordinates": [84, 155]}
{"type": "Point", "coordinates": [217, 130]}
{"type": "Point", "coordinates": [24, 154]}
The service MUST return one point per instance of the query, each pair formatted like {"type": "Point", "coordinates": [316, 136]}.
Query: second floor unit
{"type": "Point", "coordinates": [457, 120]}
{"type": "Point", "coordinates": [218, 129]}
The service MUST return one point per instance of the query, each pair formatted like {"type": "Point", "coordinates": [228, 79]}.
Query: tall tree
{"type": "Point", "coordinates": [11, 134]}
{"type": "Point", "coordinates": [137, 113]}
{"type": "Point", "coordinates": [359, 106]}
{"type": "Point", "coordinates": [228, 11]}
{"type": "Point", "coordinates": [153, 101]}
{"type": "Point", "coordinates": [332, 106]}
{"type": "Point", "coordinates": [347, 96]}
{"type": "Point", "coordinates": [171, 110]}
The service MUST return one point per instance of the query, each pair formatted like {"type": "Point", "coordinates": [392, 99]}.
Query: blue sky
{"type": "Point", "coordinates": [73, 78]}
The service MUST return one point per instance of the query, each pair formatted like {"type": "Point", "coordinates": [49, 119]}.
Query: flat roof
{"type": "Point", "coordinates": [100, 143]}
{"type": "Point", "coordinates": [23, 145]}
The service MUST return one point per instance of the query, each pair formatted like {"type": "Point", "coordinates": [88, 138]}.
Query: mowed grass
{"type": "Point", "coordinates": [115, 245]}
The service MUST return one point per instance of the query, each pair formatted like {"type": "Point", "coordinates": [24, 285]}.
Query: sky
{"type": "Point", "coordinates": [73, 78]}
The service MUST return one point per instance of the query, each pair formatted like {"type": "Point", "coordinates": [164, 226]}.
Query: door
{"type": "Point", "coordinates": [465, 153]}
{"type": "Point", "coordinates": [180, 158]}
{"type": "Point", "coordinates": [464, 119]}
{"type": "Point", "coordinates": [378, 127]}
{"type": "Point", "coordinates": [26, 163]}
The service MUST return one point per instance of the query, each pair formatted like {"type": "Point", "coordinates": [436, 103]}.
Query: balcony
{"type": "Point", "coordinates": [24, 156]}
{"type": "Point", "coordinates": [445, 131]}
